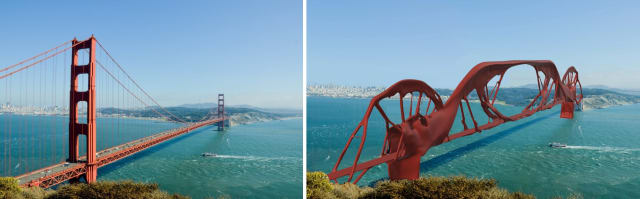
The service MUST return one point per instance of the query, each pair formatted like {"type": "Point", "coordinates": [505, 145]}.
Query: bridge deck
{"type": "Point", "coordinates": [64, 171]}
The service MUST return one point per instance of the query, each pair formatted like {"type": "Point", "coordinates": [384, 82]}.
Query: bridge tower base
{"type": "Point", "coordinates": [89, 128]}
{"type": "Point", "coordinates": [566, 111]}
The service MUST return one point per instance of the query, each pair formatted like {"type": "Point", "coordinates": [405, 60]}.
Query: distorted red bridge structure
{"type": "Point", "coordinates": [32, 152]}
{"type": "Point", "coordinates": [429, 125]}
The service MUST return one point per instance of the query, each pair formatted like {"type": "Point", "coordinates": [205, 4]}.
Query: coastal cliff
{"type": "Point", "coordinates": [251, 117]}
{"type": "Point", "coordinates": [607, 100]}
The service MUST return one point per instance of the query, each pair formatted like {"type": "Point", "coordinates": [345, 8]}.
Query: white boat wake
{"type": "Point", "coordinates": [604, 148]}
{"type": "Point", "coordinates": [250, 158]}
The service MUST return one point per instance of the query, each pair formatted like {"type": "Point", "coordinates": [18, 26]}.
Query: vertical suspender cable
{"type": "Point", "coordinates": [63, 104]}
{"type": "Point", "coordinates": [53, 116]}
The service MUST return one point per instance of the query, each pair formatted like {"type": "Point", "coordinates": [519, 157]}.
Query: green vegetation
{"type": "Point", "coordinates": [8, 187]}
{"type": "Point", "coordinates": [102, 189]}
{"type": "Point", "coordinates": [318, 186]}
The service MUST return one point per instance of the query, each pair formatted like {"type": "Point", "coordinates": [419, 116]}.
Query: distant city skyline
{"type": "Point", "coordinates": [378, 43]}
{"type": "Point", "coordinates": [180, 52]}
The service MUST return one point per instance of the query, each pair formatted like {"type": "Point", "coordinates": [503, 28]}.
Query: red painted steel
{"type": "Point", "coordinates": [77, 166]}
{"type": "Point", "coordinates": [108, 156]}
{"type": "Point", "coordinates": [89, 129]}
{"type": "Point", "coordinates": [405, 143]}
{"type": "Point", "coordinates": [150, 141]}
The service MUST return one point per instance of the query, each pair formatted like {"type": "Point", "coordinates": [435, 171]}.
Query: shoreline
{"type": "Point", "coordinates": [261, 121]}
{"type": "Point", "coordinates": [153, 119]}
{"type": "Point", "coordinates": [586, 107]}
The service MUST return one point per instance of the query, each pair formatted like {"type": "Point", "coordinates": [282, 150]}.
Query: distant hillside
{"type": "Point", "coordinates": [623, 91]}
{"type": "Point", "coordinates": [599, 98]}
{"type": "Point", "coordinates": [238, 115]}
{"type": "Point", "coordinates": [268, 110]}
{"type": "Point", "coordinates": [199, 105]}
{"type": "Point", "coordinates": [594, 98]}
{"type": "Point", "coordinates": [272, 110]}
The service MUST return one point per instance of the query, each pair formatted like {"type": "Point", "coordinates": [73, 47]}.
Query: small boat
{"type": "Point", "coordinates": [206, 154]}
{"type": "Point", "coordinates": [557, 145]}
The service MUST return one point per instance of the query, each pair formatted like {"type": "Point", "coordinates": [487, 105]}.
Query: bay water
{"type": "Point", "coordinates": [259, 160]}
{"type": "Point", "coordinates": [601, 160]}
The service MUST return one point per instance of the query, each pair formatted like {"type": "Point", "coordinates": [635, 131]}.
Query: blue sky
{"type": "Point", "coordinates": [376, 43]}
{"type": "Point", "coordinates": [180, 52]}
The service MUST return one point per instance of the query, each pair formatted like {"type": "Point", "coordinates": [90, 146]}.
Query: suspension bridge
{"type": "Point", "coordinates": [73, 109]}
{"type": "Point", "coordinates": [431, 122]}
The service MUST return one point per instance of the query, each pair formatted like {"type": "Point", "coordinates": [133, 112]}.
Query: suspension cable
{"type": "Point", "coordinates": [134, 82]}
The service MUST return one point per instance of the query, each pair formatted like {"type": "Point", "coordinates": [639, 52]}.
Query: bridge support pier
{"type": "Point", "coordinates": [408, 168]}
{"type": "Point", "coordinates": [567, 110]}
{"type": "Point", "coordinates": [89, 128]}
{"type": "Point", "coordinates": [221, 111]}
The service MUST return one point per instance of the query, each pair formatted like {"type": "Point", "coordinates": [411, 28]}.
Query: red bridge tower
{"type": "Point", "coordinates": [221, 111]}
{"type": "Point", "coordinates": [88, 129]}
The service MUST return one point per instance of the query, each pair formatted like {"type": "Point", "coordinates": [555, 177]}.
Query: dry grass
{"type": "Point", "coordinates": [349, 190]}
{"type": "Point", "coordinates": [8, 187]}
{"type": "Point", "coordinates": [102, 189]}
{"type": "Point", "coordinates": [442, 187]}
{"type": "Point", "coordinates": [318, 186]}
{"type": "Point", "coordinates": [115, 190]}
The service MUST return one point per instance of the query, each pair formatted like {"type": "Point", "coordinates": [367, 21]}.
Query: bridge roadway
{"type": "Point", "coordinates": [63, 171]}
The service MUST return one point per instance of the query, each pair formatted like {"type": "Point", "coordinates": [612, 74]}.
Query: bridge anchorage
{"type": "Point", "coordinates": [430, 125]}
{"type": "Point", "coordinates": [82, 114]}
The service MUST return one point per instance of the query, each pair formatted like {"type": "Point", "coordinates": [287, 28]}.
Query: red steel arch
{"type": "Point", "coordinates": [406, 142]}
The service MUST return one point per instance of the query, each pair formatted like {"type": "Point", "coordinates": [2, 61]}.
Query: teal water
{"type": "Point", "coordinates": [602, 159]}
{"type": "Point", "coordinates": [31, 142]}
{"type": "Point", "coordinates": [261, 160]}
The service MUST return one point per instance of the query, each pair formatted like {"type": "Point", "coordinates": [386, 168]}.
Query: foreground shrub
{"type": "Point", "coordinates": [35, 193]}
{"type": "Point", "coordinates": [9, 189]}
{"type": "Point", "coordinates": [349, 190]}
{"type": "Point", "coordinates": [111, 190]}
{"type": "Point", "coordinates": [318, 186]}
{"type": "Point", "coordinates": [441, 187]}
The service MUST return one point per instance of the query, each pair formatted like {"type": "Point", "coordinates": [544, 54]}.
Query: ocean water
{"type": "Point", "coordinates": [602, 159]}
{"type": "Point", "coordinates": [30, 142]}
{"type": "Point", "coordinates": [260, 160]}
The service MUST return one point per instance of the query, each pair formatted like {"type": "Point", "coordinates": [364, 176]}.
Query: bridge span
{"type": "Point", "coordinates": [64, 171]}
{"type": "Point", "coordinates": [40, 95]}
{"type": "Point", "coordinates": [430, 123]}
